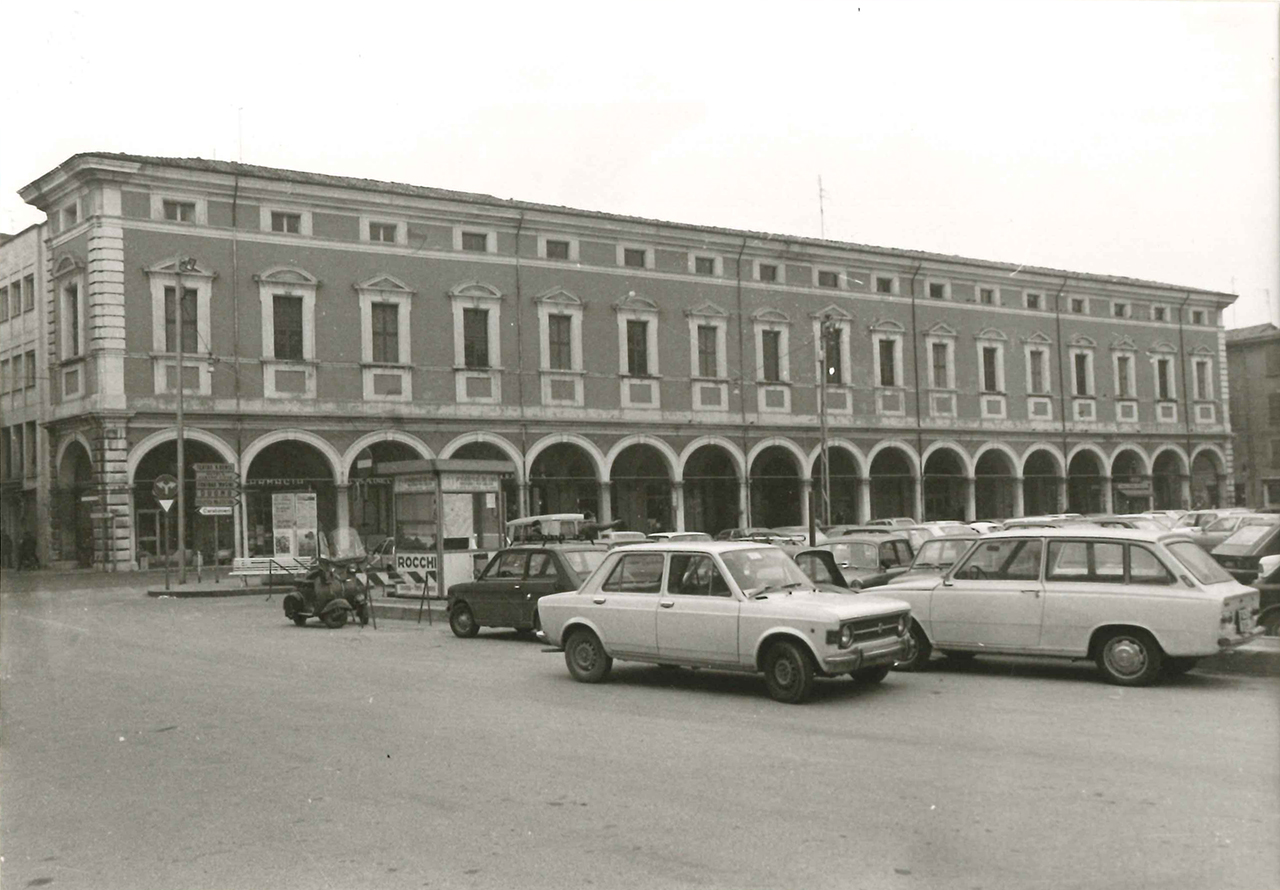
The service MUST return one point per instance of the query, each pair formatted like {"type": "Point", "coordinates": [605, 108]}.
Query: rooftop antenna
{"type": "Point", "coordinates": [240, 134]}
{"type": "Point", "coordinates": [822, 217]}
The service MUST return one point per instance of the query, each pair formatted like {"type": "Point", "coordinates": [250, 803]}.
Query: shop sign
{"type": "Point", "coordinates": [1135, 489]}
{"type": "Point", "coordinates": [470, 482]}
{"type": "Point", "coordinates": [418, 562]}
{"type": "Point", "coordinates": [415, 484]}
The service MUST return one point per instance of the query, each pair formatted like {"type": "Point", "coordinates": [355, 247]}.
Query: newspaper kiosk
{"type": "Point", "coordinates": [447, 517]}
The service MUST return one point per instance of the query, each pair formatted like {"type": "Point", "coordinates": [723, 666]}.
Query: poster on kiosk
{"type": "Point", "coordinates": [293, 525]}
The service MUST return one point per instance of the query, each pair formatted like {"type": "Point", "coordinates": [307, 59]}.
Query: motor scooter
{"type": "Point", "coordinates": [331, 590]}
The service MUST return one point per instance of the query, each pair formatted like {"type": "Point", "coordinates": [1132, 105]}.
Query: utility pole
{"type": "Point", "coordinates": [822, 215]}
{"type": "Point", "coordinates": [185, 264]}
{"type": "Point", "coordinates": [823, 372]}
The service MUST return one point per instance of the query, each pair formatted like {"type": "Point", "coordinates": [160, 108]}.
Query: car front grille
{"type": "Point", "coordinates": [873, 628]}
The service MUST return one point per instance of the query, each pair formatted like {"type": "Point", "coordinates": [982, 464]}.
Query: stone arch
{"type": "Point", "coordinates": [1015, 462]}
{"type": "Point", "coordinates": [848, 475]}
{"type": "Point", "coordinates": [945, 491]}
{"type": "Point", "coordinates": [1130, 473]}
{"type": "Point", "coordinates": [832, 443]}
{"type": "Point", "coordinates": [739, 459]}
{"type": "Point", "coordinates": [1043, 470]}
{"type": "Point", "coordinates": [965, 461]}
{"type": "Point", "coordinates": [1170, 484]}
{"type": "Point", "coordinates": [1053, 450]}
{"type": "Point", "coordinates": [507, 447]}
{"type": "Point", "coordinates": [1133, 448]}
{"type": "Point", "coordinates": [995, 467]}
{"type": "Point", "coordinates": [1220, 457]}
{"type": "Point", "coordinates": [336, 464]}
{"type": "Point", "coordinates": [1085, 487]}
{"type": "Point", "coordinates": [1170, 448]}
{"type": "Point", "coordinates": [139, 451]}
{"type": "Point", "coordinates": [71, 527]}
{"type": "Point", "coordinates": [1207, 481]}
{"type": "Point", "coordinates": [67, 441]}
{"type": "Point", "coordinates": [668, 453]}
{"type": "Point", "coordinates": [1104, 461]}
{"type": "Point", "coordinates": [593, 451]}
{"type": "Point", "coordinates": [894, 483]}
{"type": "Point", "coordinates": [349, 456]}
{"type": "Point", "coordinates": [802, 459]}
{"type": "Point", "coordinates": [912, 457]}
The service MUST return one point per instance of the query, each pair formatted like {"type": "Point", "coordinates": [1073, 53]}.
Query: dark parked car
{"type": "Point", "coordinates": [506, 593]}
{"type": "Point", "coordinates": [1241, 554]}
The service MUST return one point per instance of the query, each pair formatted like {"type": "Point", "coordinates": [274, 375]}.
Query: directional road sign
{"type": "Point", "coordinates": [165, 487]}
{"type": "Point", "coordinates": [215, 511]}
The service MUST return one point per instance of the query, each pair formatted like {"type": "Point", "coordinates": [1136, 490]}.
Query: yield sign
{"type": "Point", "coordinates": [165, 488]}
{"type": "Point", "coordinates": [165, 504]}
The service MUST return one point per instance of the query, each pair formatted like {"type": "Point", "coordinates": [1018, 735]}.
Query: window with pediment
{"type": "Point", "coordinates": [477, 343]}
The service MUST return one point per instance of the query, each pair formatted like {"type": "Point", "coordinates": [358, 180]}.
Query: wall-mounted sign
{"type": "Point", "coordinates": [415, 484]}
{"type": "Point", "coordinates": [470, 482]}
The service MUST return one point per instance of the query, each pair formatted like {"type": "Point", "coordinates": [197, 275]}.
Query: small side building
{"type": "Point", "coordinates": [1253, 368]}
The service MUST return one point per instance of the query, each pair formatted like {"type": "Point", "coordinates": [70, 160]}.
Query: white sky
{"type": "Point", "coordinates": [1137, 138]}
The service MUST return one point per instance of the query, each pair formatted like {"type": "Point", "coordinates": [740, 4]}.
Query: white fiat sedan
{"type": "Point", "coordinates": [732, 606]}
{"type": "Point", "coordinates": [1138, 603]}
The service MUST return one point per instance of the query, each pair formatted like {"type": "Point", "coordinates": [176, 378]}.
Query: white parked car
{"type": "Point", "coordinates": [1138, 603]}
{"type": "Point", "coordinates": [726, 605]}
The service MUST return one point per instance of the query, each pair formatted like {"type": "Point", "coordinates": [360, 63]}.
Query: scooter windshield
{"type": "Point", "coordinates": [345, 543]}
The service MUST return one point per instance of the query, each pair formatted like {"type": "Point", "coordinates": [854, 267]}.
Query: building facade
{"type": "Point", "coordinates": [670, 375]}
{"type": "Point", "coordinates": [1253, 362]}
{"type": "Point", "coordinates": [24, 479]}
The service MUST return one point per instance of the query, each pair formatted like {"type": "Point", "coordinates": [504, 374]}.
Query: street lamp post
{"type": "Point", "coordinates": [822, 422]}
{"type": "Point", "coordinates": [185, 264]}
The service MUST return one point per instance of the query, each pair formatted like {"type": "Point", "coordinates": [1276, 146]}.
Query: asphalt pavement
{"type": "Point", "coordinates": [162, 742]}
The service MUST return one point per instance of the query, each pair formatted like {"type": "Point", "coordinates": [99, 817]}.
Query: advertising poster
{"type": "Point", "coordinates": [283, 523]}
{"type": "Point", "coordinates": [304, 524]}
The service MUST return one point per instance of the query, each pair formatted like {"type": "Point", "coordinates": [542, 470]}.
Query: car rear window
{"type": "Point", "coordinates": [1198, 563]}
{"type": "Point", "coordinates": [1248, 535]}
{"type": "Point", "coordinates": [583, 562]}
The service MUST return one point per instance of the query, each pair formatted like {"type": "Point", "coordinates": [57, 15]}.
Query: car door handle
{"type": "Point", "coordinates": [528, 595]}
{"type": "Point", "coordinates": [516, 587]}
{"type": "Point", "coordinates": [666, 604]}
{"type": "Point", "coordinates": [1036, 592]}
{"type": "Point", "coordinates": [599, 600]}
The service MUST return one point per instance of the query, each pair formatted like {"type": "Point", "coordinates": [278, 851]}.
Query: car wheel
{"type": "Point", "coordinates": [335, 618]}
{"type": "Point", "coordinates": [299, 619]}
{"type": "Point", "coordinates": [918, 651]}
{"type": "Point", "coordinates": [1270, 621]}
{"type": "Point", "coordinates": [872, 675]}
{"type": "Point", "coordinates": [788, 672]}
{"type": "Point", "coordinates": [462, 622]}
{"type": "Point", "coordinates": [1176, 667]}
{"type": "Point", "coordinates": [586, 658]}
{"type": "Point", "coordinates": [1129, 658]}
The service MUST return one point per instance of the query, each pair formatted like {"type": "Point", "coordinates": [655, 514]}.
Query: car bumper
{"type": "Point", "coordinates": [870, 654]}
{"type": "Point", "coordinates": [1228, 643]}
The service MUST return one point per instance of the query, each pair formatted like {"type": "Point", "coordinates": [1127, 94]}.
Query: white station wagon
{"type": "Point", "coordinates": [1138, 603]}
{"type": "Point", "coordinates": [735, 606]}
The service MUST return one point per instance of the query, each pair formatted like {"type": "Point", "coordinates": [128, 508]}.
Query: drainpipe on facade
{"type": "Point", "coordinates": [522, 485]}
{"type": "Point", "coordinates": [915, 376]}
{"type": "Point", "coordinates": [742, 394]}
{"type": "Point", "coordinates": [241, 539]}
{"type": "Point", "coordinates": [1186, 393]}
{"type": "Point", "coordinates": [1062, 393]}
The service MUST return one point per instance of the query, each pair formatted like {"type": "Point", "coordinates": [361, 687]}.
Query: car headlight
{"type": "Point", "coordinates": [903, 623]}
{"type": "Point", "coordinates": [846, 636]}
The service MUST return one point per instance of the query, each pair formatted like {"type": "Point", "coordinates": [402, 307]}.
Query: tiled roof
{"type": "Point", "coordinates": [1252, 332]}
{"type": "Point", "coordinates": [230, 168]}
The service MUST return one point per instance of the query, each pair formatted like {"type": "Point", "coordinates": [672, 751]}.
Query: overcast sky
{"type": "Point", "coordinates": [1136, 139]}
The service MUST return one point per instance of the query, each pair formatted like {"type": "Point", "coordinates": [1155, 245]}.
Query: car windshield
{"type": "Point", "coordinates": [1264, 520]}
{"type": "Point", "coordinates": [763, 567]}
{"type": "Point", "coordinates": [1199, 563]}
{"type": "Point", "coordinates": [859, 556]}
{"type": "Point", "coordinates": [1225, 524]}
{"type": "Point", "coordinates": [583, 562]}
{"type": "Point", "coordinates": [939, 553]}
{"type": "Point", "coordinates": [1247, 535]}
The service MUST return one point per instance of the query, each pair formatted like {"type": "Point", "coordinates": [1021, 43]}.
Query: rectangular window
{"type": "Point", "coordinates": [884, 285]}
{"type": "Point", "coordinates": [1197, 316]}
{"type": "Point", "coordinates": [771, 344]}
{"type": "Point", "coordinates": [287, 321]}
{"type": "Point", "coordinates": [17, 373]}
{"type": "Point", "coordinates": [831, 348]}
{"type": "Point", "coordinates": [1082, 373]}
{"type": "Point", "coordinates": [941, 378]}
{"type": "Point", "coordinates": [1162, 378]}
{"type": "Point", "coordinates": [475, 338]}
{"type": "Point", "coordinates": [28, 293]}
{"type": "Point", "coordinates": [559, 333]}
{"type": "Point", "coordinates": [4, 376]}
{"type": "Point", "coordinates": [1037, 357]}
{"type": "Point", "coordinates": [386, 232]}
{"type": "Point", "coordinates": [1077, 306]}
{"type": "Point", "coordinates": [180, 211]}
{"type": "Point", "coordinates": [190, 341]}
{"type": "Point", "coordinates": [1158, 313]}
{"type": "Point", "coordinates": [70, 216]}
{"type": "Point", "coordinates": [557, 250]}
{"type": "Point", "coordinates": [828, 279]}
{"type": "Point", "coordinates": [937, 290]}
{"type": "Point", "coordinates": [1202, 380]}
{"type": "Point", "coordinates": [4, 303]}
{"type": "Point", "coordinates": [1120, 310]}
{"type": "Point", "coordinates": [990, 379]}
{"type": "Point", "coordinates": [1275, 454]}
{"type": "Point", "coordinates": [888, 367]}
{"type": "Point", "coordinates": [385, 321]}
{"type": "Point", "coordinates": [1123, 367]}
{"type": "Point", "coordinates": [768, 272]}
{"type": "Point", "coordinates": [987, 296]}
{"type": "Point", "coordinates": [1033, 301]}
{"type": "Point", "coordinates": [1273, 359]}
{"type": "Point", "coordinates": [1273, 410]}
{"type": "Point", "coordinates": [633, 257]}
{"type": "Point", "coordinates": [707, 365]}
{"type": "Point", "coordinates": [72, 305]}
{"type": "Point", "coordinates": [704, 265]}
{"type": "Point", "coordinates": [638, 348]}
{"type": "Point", "coordinates": [290, 223]}
{"type": "Point", "coordinates": [476, 242]}
{"type": "Point", "coordinates": [15, 299]}
{"type": "Point", "coordinates": [31, 369]}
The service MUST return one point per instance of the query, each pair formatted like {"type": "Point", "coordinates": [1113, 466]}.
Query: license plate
{"type": "Point", "coordinates": [1244, 620]}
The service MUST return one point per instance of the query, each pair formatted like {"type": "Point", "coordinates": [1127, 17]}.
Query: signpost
{"type": "Point", "coordinates": [165, 489]}
{"type": "Point", "coordinates": [217, 493]}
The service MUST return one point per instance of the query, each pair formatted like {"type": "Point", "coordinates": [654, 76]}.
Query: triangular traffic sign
{"type": "Point", "coordinates": [165, 504]}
